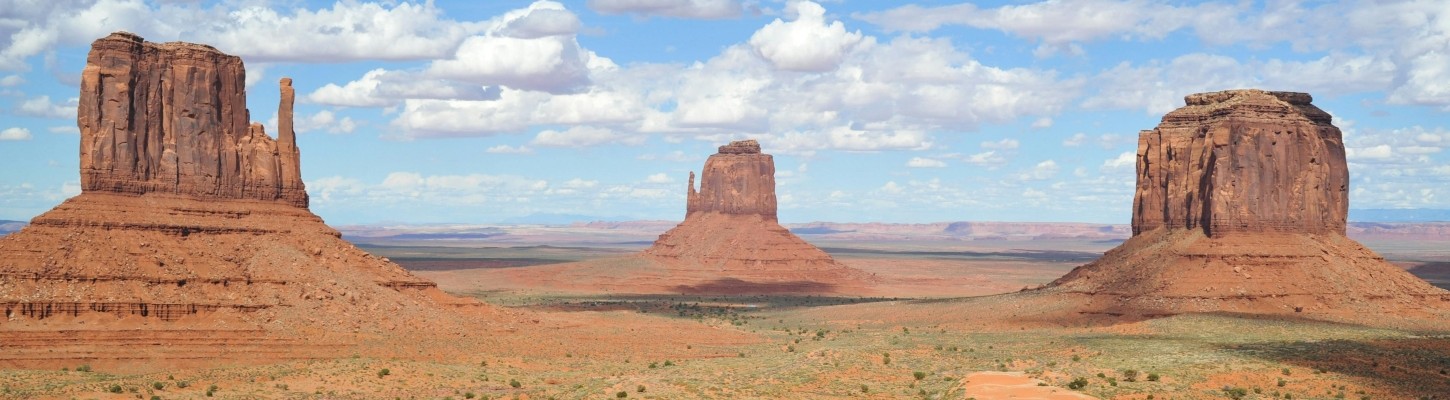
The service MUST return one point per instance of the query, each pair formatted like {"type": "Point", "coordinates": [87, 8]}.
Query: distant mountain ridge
{"type": "Point", "coordinates": [7, 226]}
{"type": "Point", "coordinates": [1399, 215]}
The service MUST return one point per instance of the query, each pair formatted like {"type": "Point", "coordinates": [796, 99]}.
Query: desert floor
{"type": "Point", "coordinates": [908, 340]}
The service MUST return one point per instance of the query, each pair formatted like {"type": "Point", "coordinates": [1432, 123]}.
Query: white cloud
{"type": "Point", "coordinates": [325, 121]}
{"type": "Point", "coordinates": [1042, 123]}
{"type": "Point", "coordinates": [348, 31]}
{"type": "Point", "coordinates": [506, 149]}
{"type": "Point", "coordinates": [11, 80]}
{"type": "Point", "coordinates": [64, 130]}
{"type": "Point", "coordinates": [807, 43]}
{"type": "Point", "coordinates": [584, 136]}
{"type": "Point", "coordinates": [1077, 139]}
{"type": "Point", "coordinates": [44, 108]}
{"type": "Point", "coordinates": [383, 88]}
{"type": "Point", "coordinates": [15, 134]}
{"type": "Point", "coordinates": [1042, 171]}
{"type": "Point", "coordinates": [659, 178]}
{"type": "Point", "coordinates": [697, 9]}
{"type": "Point", "coordinates": [1004, 144]}
{"type": "Point", "coordinates": [919, 162]}
{"type": "Point", "coordinates": [987, 158]}
{"type": "Point", "coordinates": [1127, 159]}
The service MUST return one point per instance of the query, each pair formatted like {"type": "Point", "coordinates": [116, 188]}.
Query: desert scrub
{"type": "Point", "coordinates": [115, 389]}
{"type": "Point", "coordinates": [158, 385]}
{"type": "Point", "coordinates": [384, 372]}
{"type": "Point", "coordinates": [918, 375]}
{"type": "Point", "coordinates": [1077, 384]}
{"type": "Point", "coordinates": [514, 383]}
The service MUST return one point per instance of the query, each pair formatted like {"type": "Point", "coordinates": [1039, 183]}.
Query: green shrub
{"type": "Point", "coordinates": [158, 385]}
{"type": "Point", "coordinates": [115, 389]}
{"type": "Point", "coordinates": [918, 375]}
{"type": "Point", "coordinates": [1152, 377]}
{"type": "Point", "coordinates": [154, 397]}
{"type": "Point", "coordinates": [1130, 375]}
{"type": "Point", "coordinates": [1285, 371]}
{"type": "Point", "coordinates": [865, 389]}
{"type": "Point", "coordinates": [1077, 384]}
{"type": "Point", "coordinates": [621, 394]}
{"type": "Point", "coordinates": [515, 383]}
{"type": "Point", "coordinates": [669, 363]}
{"type": "Point", "coordinates": [1235, 393]}
{"type": "Point", "coordinates": [639, 389]}
{"type": "Point", "coordinates": [84, 368]}
{"type": "Point", "coordinates": [183, 384]}
{"type": "Point", "coordinates": [469, 395]}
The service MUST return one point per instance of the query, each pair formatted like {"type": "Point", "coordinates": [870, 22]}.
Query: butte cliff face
{"type": "Point", "coordinates": [172, 118]}
{"type": "Point", "coordinates": [1240, 207]}
{"type": "Point", "coordinates": [192, 232]}
{"type": "Point", "coordinates": [1243, 161]}
{"type": "Point", "coordinates": [739, 180]}
{"type": "Point", "coordinates": [730, 241]}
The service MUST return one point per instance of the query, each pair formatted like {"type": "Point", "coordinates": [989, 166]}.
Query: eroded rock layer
{"type": "Point", "coordinates": [739, 180]}
{"type": "Point", "coordinates": [1243, 161]}
{"type": "Point", "coordinates": [193, 222]}
{"type": "Point", "coordinates": [172, 118]}
{"type": "Point", "coordinates": [730, 232]}
{"type": "Point", "coordinates": [1240, 207]}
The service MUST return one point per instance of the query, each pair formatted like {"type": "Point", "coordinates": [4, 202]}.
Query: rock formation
{"type": "Point", "coordinates": [191, 233]}
{"type": "Point", "coordinates": [172, 118]}
{"type": "Point", "coordinates": [730, 232]}
{"type": "Point", "coordinates": [1243, 161]}
{"type": "Point", "coordinates": [1240, 207]}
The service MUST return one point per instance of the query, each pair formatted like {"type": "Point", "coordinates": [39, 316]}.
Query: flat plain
{"type": "Point", "coordinates": [911, 338]}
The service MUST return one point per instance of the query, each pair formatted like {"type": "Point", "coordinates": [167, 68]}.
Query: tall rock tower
{"type": "Point", "coordinates": [191, 234]}
{"type": "Point", "coordinates": [1240, 207]}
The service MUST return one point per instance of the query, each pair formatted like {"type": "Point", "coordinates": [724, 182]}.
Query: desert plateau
{"type": "Point", "coordinates": [710, 199]}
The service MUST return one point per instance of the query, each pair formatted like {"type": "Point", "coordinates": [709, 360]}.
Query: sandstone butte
{"type": "Point", "coordinates": [729, 243]}
{"type": "Point", "coordinates": [1240, 207]}
{"type": "Point", "coordinates": [191, 239]}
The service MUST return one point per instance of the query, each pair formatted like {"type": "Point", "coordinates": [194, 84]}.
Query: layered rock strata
{"type": "Point", "coordinates": [172, 118]}
{"type": "Point", "coordinates": [192, 220]}
{"type": "Point", "coordinates": [730, 231]}
{"type": "Point", "coordinates": [1243, 161]}
{"type": "Point", "coordinates": [1240, 207]}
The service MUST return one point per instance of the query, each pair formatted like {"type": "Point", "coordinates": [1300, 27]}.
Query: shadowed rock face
{"type": "Point", "coordinates": [1243, 161]}
{"type": "Point", "coordinates": [739, 180]}
{"type": "Point", "coordinates": [172, 118]}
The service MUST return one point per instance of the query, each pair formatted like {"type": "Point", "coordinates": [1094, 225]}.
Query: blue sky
{"type": "Point", "coordinates": [875, 111]}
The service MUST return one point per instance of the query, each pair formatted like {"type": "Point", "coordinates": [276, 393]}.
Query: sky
{"type": "Point", "coordinates": [488, 111]}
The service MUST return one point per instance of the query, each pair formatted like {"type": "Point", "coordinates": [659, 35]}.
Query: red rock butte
{"type": "Point", "coordinates": [1240, 207]}
{"type": "Point", "coordinates": [730, 233]}
{"type": "Point", "coordinates": [191, 241]}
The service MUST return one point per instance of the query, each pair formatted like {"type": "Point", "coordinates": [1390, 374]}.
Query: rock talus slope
{"type": "Point", "coordinates": [191, 239]}
{"type": "Point", "coordinates": [1240, 207]}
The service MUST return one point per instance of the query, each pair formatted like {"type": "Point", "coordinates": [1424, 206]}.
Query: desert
{"type": "Point", "coordinates": [1133, 200]}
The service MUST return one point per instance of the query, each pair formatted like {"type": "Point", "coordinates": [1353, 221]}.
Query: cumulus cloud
{"type": "Point", "coordinates": [325, 121]}
{"type": "Point", "coordinates": [348, 31]}
{"type": "Point", "coordinates": [808, 43]}
{"type": "Point", "coordinates": [42, 107]}
{"type": "Point", "coordinates": [920, 162]}
{"type": "Point", "coordinates": [11, 80]}
{"type": "Point", "coordinates": [1126, 160]}
{"type": "Point", "coordinates": [584, 136]}
{"type": "Point", "coordinates": [694, 9]}
{"type": "Point", "coordinates": [15, 134]}
{"type": "Point", "coordinates": [1042, 171]}
{"type": "Point", "coordinates": [659, 178]}
{"type": "Point", "coordinates": [383, 88]}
